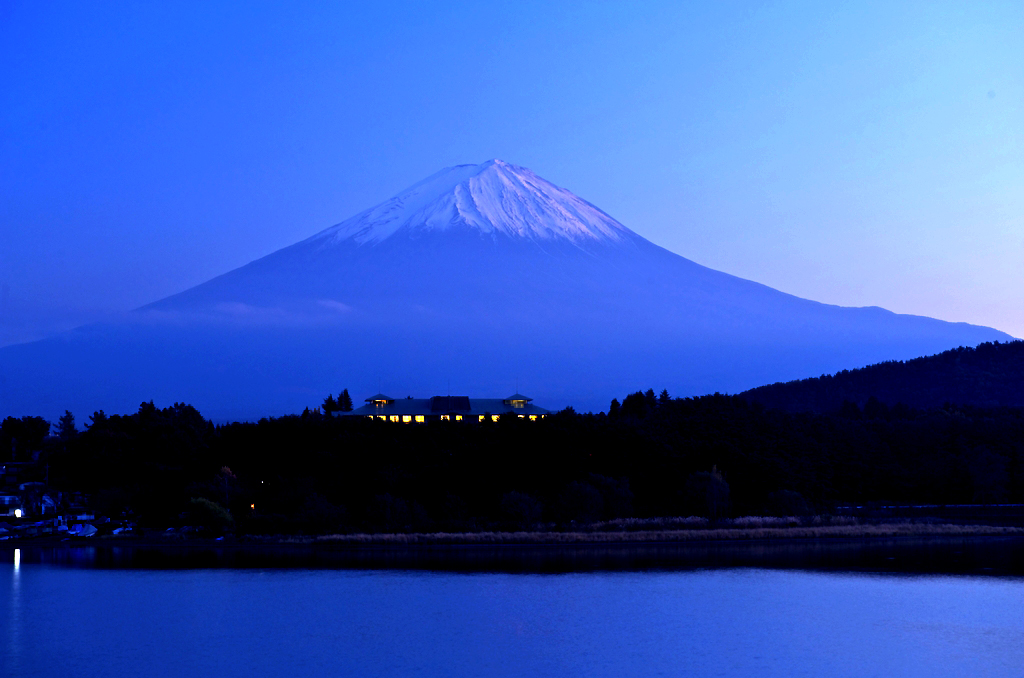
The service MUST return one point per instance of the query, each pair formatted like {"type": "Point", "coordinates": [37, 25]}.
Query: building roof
{"type": "Point", "coordinates": [379, 396]}
{"type": "Point", "coordinates": [446, 404]}
{"type": "Point", "coordinates": [519, 396]}
{"type": "Point", "coordinates": [439, 405]}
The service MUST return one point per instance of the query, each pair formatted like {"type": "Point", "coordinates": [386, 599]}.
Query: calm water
{"type": "Point", "coordinates": [66, 621]}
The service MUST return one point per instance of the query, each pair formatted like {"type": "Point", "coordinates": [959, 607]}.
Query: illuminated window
{"type": "Point", "coordinates": [369, 416]}
{"type": "Point", "coordinates": [494, 417]}
{"type": "Point", "coordinates": [394, 417]}
{"type": "Point", "coordinates": [445, 417]}
{"type": "Point", "coordinates": [458, 417]}
{"type": "Point", "coordinates": [521, 416]}
{"type": "Point", "coordinates": [420, 419]}
{"type": "Point", "coordinates": [406, 419]}
{"type": "Point", "coordinates": [533, 417]}
{"type": "Point", "coordinates": [382, 418]}
{"type": "Point", "coordinates": [481, 417]}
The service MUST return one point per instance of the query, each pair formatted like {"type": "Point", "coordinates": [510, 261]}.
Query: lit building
{"type": "Point", "coordinates": [446, 408]}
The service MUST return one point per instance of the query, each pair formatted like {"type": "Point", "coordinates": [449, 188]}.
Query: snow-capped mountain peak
{"type": "Point", "coordinates": [476, 274]}
{"type": "Point", "coordinates": [494, 198]}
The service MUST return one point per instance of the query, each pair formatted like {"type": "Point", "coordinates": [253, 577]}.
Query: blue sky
{"type": "Point", "coordinates": [866, 153]}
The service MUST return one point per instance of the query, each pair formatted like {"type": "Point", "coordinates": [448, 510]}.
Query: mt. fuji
{"type": "Point", "coordinates": [474, 278]}
{"type": "Point", "coordinates": [494, 198]}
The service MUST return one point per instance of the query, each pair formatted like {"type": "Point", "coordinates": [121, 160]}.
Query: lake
{"type": "Point", "coordinates": [64, 620]}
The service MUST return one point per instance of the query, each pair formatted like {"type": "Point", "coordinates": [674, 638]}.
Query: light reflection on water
{"type": "Point", "coordinates": [14, 623]}
{"type": "Point", "coordinates": [737, 622]}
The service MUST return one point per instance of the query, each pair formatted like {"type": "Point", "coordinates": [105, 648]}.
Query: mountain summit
{"type": "Point", "coordinates": [478, 276]}
{"type": "Point", "coordinates": [494, 198]}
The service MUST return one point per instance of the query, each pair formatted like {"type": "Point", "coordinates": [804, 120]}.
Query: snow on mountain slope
{"type": "Point", "coordinates": [476, 276]}
{"type": "Point", "coordinates": [494, 198]}
{"type": "Point", "coordinates": [492, 238]}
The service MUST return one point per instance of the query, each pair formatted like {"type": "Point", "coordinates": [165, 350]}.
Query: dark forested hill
{"type": "Point", "coordinates": [991, 375]}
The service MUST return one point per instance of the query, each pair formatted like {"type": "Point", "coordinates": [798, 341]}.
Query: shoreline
{"type": "Point", "coordinates": [639, 537]}
{"type": "Point", "coordinates": [709, 535]}
{"type": "Point", "coordinates": [883, 549]}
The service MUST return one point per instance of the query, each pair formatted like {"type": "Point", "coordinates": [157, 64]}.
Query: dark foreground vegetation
{"type": "Point", "coordinates": [714, 456]}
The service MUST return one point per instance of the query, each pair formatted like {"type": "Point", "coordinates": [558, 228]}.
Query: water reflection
{"type": "Point", "coordinates": [14, 621]}
{"type": "Point", "coordinates": [87, 622]}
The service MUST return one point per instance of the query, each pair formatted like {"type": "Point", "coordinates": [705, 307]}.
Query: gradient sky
{"type": "Point", "coordinates": [867, 153]}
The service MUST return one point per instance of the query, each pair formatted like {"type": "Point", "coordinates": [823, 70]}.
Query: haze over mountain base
{"type": "Point", "coordinates": [478, 278]}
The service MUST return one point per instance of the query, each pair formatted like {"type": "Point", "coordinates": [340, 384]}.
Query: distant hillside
{"type": "Point", "coordinates": [991, 375]}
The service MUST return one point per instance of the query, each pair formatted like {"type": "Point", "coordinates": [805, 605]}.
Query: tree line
{"type": "Point", "coordinates": [342, 404]}
{"type": "Point", "coordinates": [650, 456]}
{"type": "Point", "coordinates": [988, 375]}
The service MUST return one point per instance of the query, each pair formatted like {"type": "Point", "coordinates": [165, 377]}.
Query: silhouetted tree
{"type": "Point", "coordinates": [637, 405]}
{"type": "Point", "coordinates": [345, 401]}
{"type": "Point", "coordinates": [708, 494]}
{"type": "Point", "coordinates": [581, 502]}
{"type": "Point", "coordinates": [21, 437]}
{"type": "Point", "coordinates": [211, 518]}
{"type": "Point", "coordinates": [874, 409]}
{"type": "Point", "coordinates": [520, 511]}
{"type": "Point", "coordinates": [66, 426]}
{"type": "Point", "coordinates": [329, 406]}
